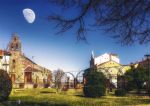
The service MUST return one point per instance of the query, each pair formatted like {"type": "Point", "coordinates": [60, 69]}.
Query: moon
{"type": "Point", "coordinates": [29, 15]}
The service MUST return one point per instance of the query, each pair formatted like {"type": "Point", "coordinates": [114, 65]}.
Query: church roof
{"type": "Point", "coordinates": [31, 69]}
{"type": "Point", "coordinates": [29, 59]}
{"type": "Point", "coordinates": [36, 66]}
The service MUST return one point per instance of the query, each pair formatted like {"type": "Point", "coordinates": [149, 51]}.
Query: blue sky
{"type": "Point", "coordinates": [54, 51]}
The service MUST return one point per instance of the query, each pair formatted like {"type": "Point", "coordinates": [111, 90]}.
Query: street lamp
{"type": "Point", "coordinates": [148, 63]}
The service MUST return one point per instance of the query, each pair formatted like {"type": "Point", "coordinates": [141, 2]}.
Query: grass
{"type": "Point", "coordinates": [48, 97]}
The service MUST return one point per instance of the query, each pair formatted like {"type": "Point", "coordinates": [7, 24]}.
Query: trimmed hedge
{"type": "Point", "coordinates": [5, 85]}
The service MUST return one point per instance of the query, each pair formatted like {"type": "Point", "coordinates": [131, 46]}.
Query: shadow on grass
{"type": "Point", "coordinates": [143, 101]}
{"type": "Point", "coordinates": [82, 96]}
{"type": "Point", "coordinates": [30, 101]}
{"type": "Point", "coordinates": [47, 92]}
{"type": "Point", "coordinates": [14, 103]}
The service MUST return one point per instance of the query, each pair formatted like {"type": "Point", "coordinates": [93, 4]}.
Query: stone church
{"type": "Point", "coordinates": [23, 72]}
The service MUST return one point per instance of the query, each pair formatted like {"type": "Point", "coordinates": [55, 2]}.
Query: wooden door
{"type": "Point", "coordinates": [28, 77]}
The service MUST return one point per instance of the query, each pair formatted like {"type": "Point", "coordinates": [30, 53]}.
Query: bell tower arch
{"type": "Point", "coordinates": [15, 43]}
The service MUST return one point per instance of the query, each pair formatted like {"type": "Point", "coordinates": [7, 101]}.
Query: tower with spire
{"type": "Point", "coordinates": [92, 61]}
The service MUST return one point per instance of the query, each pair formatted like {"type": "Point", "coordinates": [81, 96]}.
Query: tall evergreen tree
{"type": "Point", "coordinates": [95, 84]}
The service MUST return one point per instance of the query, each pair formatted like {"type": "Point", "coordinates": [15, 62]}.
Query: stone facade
{"type": "Point", "coordinates": [24, 72]}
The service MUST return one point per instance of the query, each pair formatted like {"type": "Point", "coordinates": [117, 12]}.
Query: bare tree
{"type": "Point", "coordinates": [58, 77]}
{"type": "Point", "coordinates": [127, 20]}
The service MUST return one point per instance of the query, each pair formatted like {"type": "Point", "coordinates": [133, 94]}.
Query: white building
{"type": "Point", "coordinates": [105, 58]}
{"type": "Point", "coordinates": [4, 60]}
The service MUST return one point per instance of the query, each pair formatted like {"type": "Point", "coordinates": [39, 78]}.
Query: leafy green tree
{"type": "Point", "coordinates": [135, 79]}
{"type": "Point", "coordinates": [5, 85]}
{"type": "Point", "coordinates": [95, 84]}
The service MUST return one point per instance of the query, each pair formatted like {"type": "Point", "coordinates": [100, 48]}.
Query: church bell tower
{"type": "Point", "coordinates": [15, 44]}
{"type": "Point", "coordinates": [15, 65]}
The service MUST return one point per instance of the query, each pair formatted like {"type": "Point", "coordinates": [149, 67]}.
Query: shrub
{"type": "Point", "coordinates": [5, 85]}
{"type": "Point", "coordinates": [94, 91]}
{"type": "Point", "coordinates": [65, 88]}
{"type": "Point", "coordinates": [95, 84]}
{"type": "Point", "coordinates": [35, 85]}
{"type": "Point", "coordinates": [120, 92]}
{"type": "Point", "coordinates": [46, 85]}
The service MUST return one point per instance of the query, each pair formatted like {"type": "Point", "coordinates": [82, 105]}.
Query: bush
{"type": "Point", "coordinates": [46, 85]}
{"type": "Point", "coordinates": [35, 85]}
{"type": "Point", "coordinates": [94, 91]}
{"type": "Point", "coordinates": [120, 92]}
{"type": "Point", "coordinates": [95, 84]}
{"type": "Point", "coordinates": [65, 88]}
{"type": "Point", "coordinates": [5, 85]}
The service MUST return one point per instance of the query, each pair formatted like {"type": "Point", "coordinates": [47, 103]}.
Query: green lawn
{"type": "Point", "coordinates": [48, 97]}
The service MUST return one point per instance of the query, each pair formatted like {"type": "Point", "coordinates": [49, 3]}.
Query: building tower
{"type": "Point", "coordinates": [92, 62]}
{"type": "Point", "coordinates": [14, 48]}
{"type": "Point", "coordinates": [15, 44]}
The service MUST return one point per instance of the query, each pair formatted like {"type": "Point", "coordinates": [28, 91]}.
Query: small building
{"type": "Point", "coordinates": [144, 63]}
{"type": "Point", "coordinates": [4, 62]}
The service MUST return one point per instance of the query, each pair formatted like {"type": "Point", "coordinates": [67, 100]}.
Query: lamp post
{"type": "Point", "coordinates": [148, 63]}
